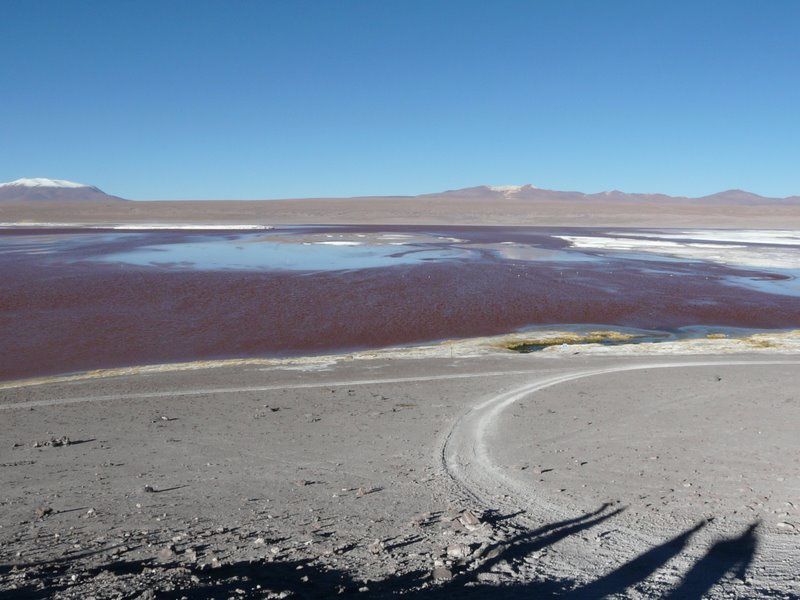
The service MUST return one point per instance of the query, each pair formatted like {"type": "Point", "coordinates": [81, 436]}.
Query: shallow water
{"type": "Point", "coordinates": [74, 300]}
{"type": "Point", "coordinates": [245, 253]}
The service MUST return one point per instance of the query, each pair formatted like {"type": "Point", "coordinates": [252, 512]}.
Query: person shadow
{"type": "Point", "coordinates": [731, 556]}
{"type": "Point", "coordinates": [638, 569]}
{"type": "Point", "coordinates": [306, 579]}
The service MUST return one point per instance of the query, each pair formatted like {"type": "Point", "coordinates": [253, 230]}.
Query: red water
{"type": "Point", "coordinates": [59, 317]}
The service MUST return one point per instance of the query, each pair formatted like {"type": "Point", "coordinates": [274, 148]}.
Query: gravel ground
{"type": "Point", "coordinates": [492, 476]}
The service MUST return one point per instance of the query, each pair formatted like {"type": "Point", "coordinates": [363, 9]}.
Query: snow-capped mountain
{"type": "Point", "coordinates": [44, 189]}
{"type": "Point", "coordinates": [510, 192]}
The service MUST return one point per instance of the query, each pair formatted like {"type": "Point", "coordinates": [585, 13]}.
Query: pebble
{"type": "Point", "coordinates": [53, 442]}
{"type": "Point", "coordinates": [167, 554]}
{"type": "Point", "coordinates": [458, 551]}
{"type": "Point", "coordinates": [377, 547]}
{"type": "Point", "coordinates": [43, 511]}
{"type": "Point", "coordinates": [470, 520]}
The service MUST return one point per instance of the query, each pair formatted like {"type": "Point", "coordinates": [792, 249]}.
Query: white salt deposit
{"type": "Point", "coordinates": [134, 227]}
{"type": "Point", "coordinates": [340, 243]}
{"type": "Point", "coordinates": [743, 236]}
{"type": "Point", "coordinates": [738, 254]}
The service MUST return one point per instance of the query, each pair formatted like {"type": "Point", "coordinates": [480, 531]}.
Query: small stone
{"type": "Point", "coordinates": [491, 578]}
{"type": "Point", "coordinates": [167, 554]}
{"type": "Point", "coordinates": [341, 549]}
{"type": "Point", "coordinates": [149, 489]}
{"type": "Point", "coordinates": [53, 442]}
{"type": "Point", "coordinates": [43, 511]}
{"type": "Point", "coordinates": [376, 547]}
{"type": "Point", "coordinates": [469, 520]}
{"type": "Point", "coordinates": [481, 550]}
{"type": "Point", "coordinates": [495, 552]}
{"type": "Point", "coordinates": [458, 551]}
{"type": "Point", "coordinates": [442, 574]}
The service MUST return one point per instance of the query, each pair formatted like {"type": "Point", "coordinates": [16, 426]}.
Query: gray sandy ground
{"type": "Point", "coordinates": [495, 476]}
{"type": "Point", "coordinates": [438, 210]}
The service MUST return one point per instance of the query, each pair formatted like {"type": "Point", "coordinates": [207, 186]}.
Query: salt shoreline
{"type": "Point", "coordinates": [769, 343]}
{"type": "Point", "coordinates": [138, 227]}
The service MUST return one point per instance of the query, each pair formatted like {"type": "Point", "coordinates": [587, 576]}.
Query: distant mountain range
{"type": "Point", "coordinates": [55, 190]}
{"type": "Point", "coordinates": [528, 192]}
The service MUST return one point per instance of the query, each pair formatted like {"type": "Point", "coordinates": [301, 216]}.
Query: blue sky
{"type": "Point", "coordinates": [196, 99]}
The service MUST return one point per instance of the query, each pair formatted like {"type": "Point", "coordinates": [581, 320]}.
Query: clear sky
{"type": "Point", "coordinates": [197, 99]}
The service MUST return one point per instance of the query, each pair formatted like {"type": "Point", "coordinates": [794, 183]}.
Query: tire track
{"type": "Point", "coordinates": [465, 458]}
{"type": "Point", "coordinates": [258, 388]}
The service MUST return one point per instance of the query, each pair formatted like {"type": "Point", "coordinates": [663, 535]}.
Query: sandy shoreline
{"type": "Point", "coordinates": [317, 477]}
{"type": "Point", "coordinates": [560, 342]}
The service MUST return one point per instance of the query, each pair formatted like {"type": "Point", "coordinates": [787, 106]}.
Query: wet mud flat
{"type": "Point", "coordinates": [76, 300]}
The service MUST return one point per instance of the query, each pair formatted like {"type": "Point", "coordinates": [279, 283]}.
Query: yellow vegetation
{"type": "Point", "coordinates": [592, 337]}
{"type": "Point", "coordinates": [761, 343]}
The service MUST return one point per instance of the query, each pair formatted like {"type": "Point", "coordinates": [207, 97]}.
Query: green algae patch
{"type": "Point", "coordinates": [606, 338]}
